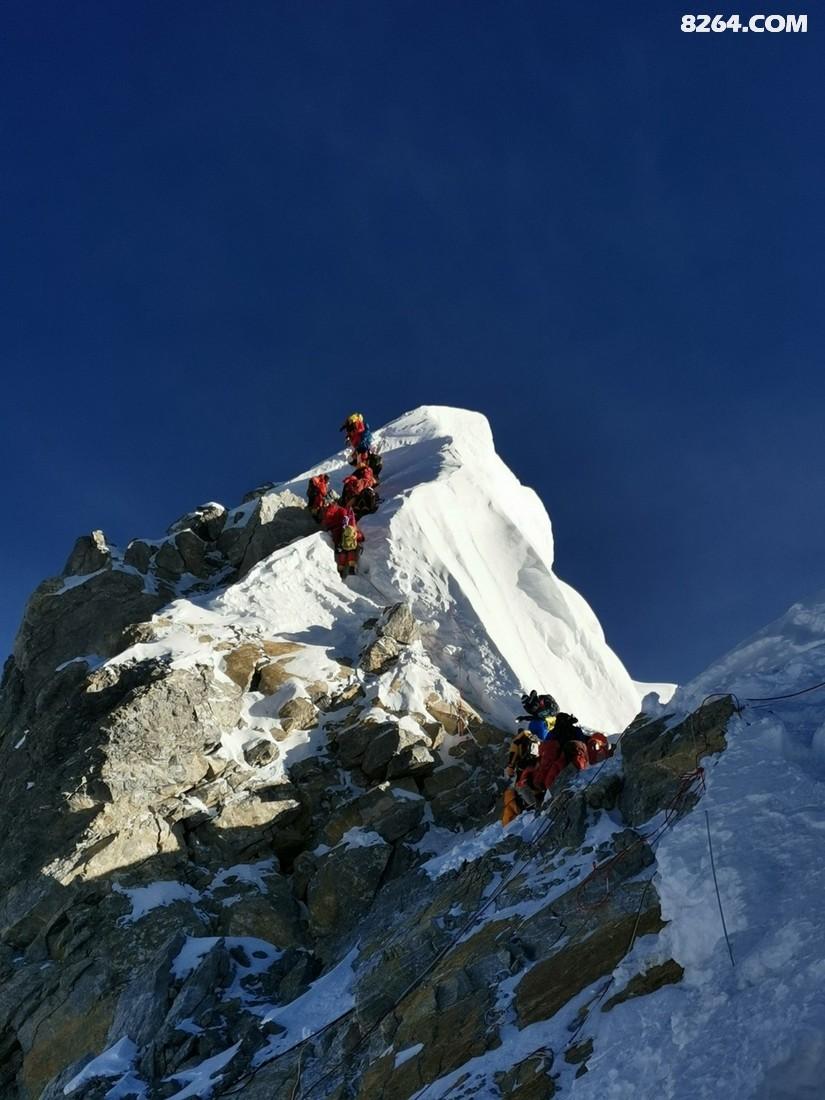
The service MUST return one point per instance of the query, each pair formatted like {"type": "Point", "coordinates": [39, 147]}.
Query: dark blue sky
{"type": "Point", "coordinates": [224, 225]}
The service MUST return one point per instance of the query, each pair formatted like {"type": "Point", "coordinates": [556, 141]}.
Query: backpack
{"type": "Point", "coordinates": [365, 443]}
{"type": "Point", "coordinates": [598, 748]}
{"type": "Point", "coordinates": [540, 706]}
{"type": "Point", "coordinates": [376, 464]}
{"type": "Point", "coordinates": [566, 727]}
{"type": "Point", "coordinates": [538, 728]}
{"type": "Point", "coordinates": [317, 490]}
{"type": "Point", "coordinates": [349, 537]}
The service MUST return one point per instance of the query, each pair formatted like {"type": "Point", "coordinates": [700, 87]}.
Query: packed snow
{"type": "Point", "coordinates": [745, 1023]}
{"type": "Point", "coordinates": [468, 546]}
{"type": "Point", "coordinates": [113, 1062]}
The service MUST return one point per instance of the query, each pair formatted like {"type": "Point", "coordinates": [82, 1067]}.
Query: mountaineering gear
{"type": "Point", "coordinates": [539, 706]}
{"type": "Point", "coordinates": [355, 483]}
{"type": "Point", "coordinates": [540, 727]}
{"type": "Point", "coordinates": [364, 445]}
{"type": "Point", "coordinates": [376, 464]}
{"type": "Point", "coordinates": [319, 494]}
{"type": "Point", "coordinates": [511, 808]}
{"type": "Point", "coordinates": [566, 744]}
{"type": "Point", "coordinates": [523, 751]}
{"type": "Point", "coordinates": [349, 537]}
{"type": "Point", "coordinates": [333, 517]}
{"type": "Point", "coordinates": [598, 748]}
{"type": "Point", "coordinates": [359, 493]}
{"type": "Point", "coordinates": [356, 428]}
{"type": "Point", "coordinates": [346, 537]}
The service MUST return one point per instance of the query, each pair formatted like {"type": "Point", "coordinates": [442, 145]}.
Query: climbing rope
{"type": "Point", "coordinates": [790, 695]}
{"type": "Point", "coordinates": [689, 784]}
{"type": "Point", "coordinates": [718, 896]}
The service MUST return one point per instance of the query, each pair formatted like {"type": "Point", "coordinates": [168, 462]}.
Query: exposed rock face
{"type": "Point", "coordinates": [61, 624]}
{"type": "Point", "coordinates": [344, 885]}
{"type": "Point", "coordinates": [206, 521]}
{"type": "Point", "coordinates": [188, 845]}
{"type": "Point", "coordinates": [395, 629]}
{"type": "Point", "coordinates": [656, 756]}
{"type": "Point", "coordinates": [275, 520]}
{"type": "Point", "coordinates": [90, 554]}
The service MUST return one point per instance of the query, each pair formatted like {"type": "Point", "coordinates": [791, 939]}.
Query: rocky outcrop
{"type": "Point", "coordinates": [191, 838]}
{"type": "Point", "coordinates": [253, 534]}
{"type": "Point", "coordinates": [395, 629]}
{"type": "Point", "coordinates": [90, 554]}
{"type": "Point", "coordinates": [656, 754]}
{"type": "Point", "coordinates": [206, 521]}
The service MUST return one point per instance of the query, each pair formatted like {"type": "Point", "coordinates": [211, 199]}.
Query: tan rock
{"type": "Point", "coordinates": [239, 665]}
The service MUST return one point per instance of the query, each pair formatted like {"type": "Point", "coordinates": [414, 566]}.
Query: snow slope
{"type": "Point", "coordinates": [472, 550]}
{"type": "Point", "coordinates": [755, 1031]}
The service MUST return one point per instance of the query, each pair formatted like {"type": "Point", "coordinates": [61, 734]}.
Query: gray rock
{"type": "Point", "coordinates": [395, 629]}
{"type": "Point", "coordinates": [274, 916]}
{"type": "Point", "coordinates": [270, 819]}
{"type": "Point", "coordinates": [139, 555]}
{"type": "Point", "coordinates": [388, 811]}
{"type": "Point", "coordinates": [380, 654]}
{"type": "Point", "coordinates": [195, 997]}
{"type": "Point", "coordinates": [87, 618]}
{"type": "Point", "coordinates": [655, 755]}
{"type": "Point", "coordinates": [391, 746]}
{"type": "Point", "coordinates": [193, 550]}
{"type": "Point", "coordinates": [277, 520]}
{"type": "Point", "coordinates": [169, 560]}
{"type": "Point", "coordinates": [353, 742]}
{"type": "Point", "coordinates": [141, 1008]}
{"type": "Point", "coordinates": [344, 886]}
{"type": "Point", "coordinates": [90, 553]}
{"type": "Point", "coordinates": [260, 753]}
{"type": "Point", "coordinates": [157, 741]}
{"type": "Point", "coordinates": [256, 494]}
{"type": "Point", "coordinates": [207, 521]}
{"type": "Point", "coordinates": [414, 760]}
{"type": "Point", "coordinates": [298, 714]}
{"type": "Point", "coordinates": [398, 622]}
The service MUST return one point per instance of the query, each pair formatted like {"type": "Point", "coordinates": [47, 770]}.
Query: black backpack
{"type": "Point", "coordinates": [566, 727]}
{"type": "Point", "coordinates": [539, 706]}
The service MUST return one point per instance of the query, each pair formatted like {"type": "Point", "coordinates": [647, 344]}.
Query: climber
{"type": "Point", "coordinates": [346, 537]}
{"type": "Point", "coordinates": [359, 492]}
{"type": "Point", "coordinates": [566, 743]}
{"type": "Point", "coordinates": [523, 752]}
{"type": "Point", "coordinates": [357, 434]}
{"type": "Point", "coordinates": [524, 749]}
{"type": "Point", "coordinates": [319, 495]}
{"type": "Point", "coordinates": [360, 439]}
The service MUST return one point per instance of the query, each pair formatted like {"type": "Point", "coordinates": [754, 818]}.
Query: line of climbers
{"type": "Point", "coordinates": [548, 741]}
{"type": "Point", "coordinates": [359, 496]}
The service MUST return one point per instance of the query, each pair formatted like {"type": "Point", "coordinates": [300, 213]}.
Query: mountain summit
{"type": "Point", "coordinates": [470, 550]}
{"type": "Point", "coordinates": [250, 838]}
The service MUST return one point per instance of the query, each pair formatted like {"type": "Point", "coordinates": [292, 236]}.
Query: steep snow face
{"type": "Point", "coordinates": [756, 1030]}
{"type": "Point", "coordinates": [472, 550]}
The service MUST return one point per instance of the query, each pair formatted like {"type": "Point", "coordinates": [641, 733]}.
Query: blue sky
{"type": "Point", "coordinates": [225, 225]}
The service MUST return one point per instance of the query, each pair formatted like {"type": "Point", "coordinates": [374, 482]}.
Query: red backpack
{"type": "Point", "coordinates": [598, 748]}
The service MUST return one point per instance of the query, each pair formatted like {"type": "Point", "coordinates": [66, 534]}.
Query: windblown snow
{"type": "Point", "coordinates": [471, 549]}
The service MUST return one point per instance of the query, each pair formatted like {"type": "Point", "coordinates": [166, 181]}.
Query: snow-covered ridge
{"type": "Point", "coordinates": [471, 549]}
